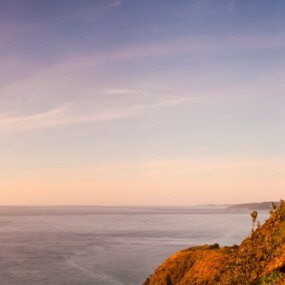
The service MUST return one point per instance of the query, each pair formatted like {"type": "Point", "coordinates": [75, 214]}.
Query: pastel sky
{"type": "Point", "coordinates": [129, 102]}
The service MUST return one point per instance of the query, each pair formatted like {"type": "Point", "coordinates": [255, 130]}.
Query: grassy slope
{"type": "Point", "coordinates": [259, 260]}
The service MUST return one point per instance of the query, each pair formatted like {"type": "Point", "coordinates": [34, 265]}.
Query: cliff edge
{"type": "Point", "coordinates": [258, 260]}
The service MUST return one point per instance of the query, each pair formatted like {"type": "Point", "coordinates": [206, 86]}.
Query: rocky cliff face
{"type": "Point", "coordinates": [259, 260]}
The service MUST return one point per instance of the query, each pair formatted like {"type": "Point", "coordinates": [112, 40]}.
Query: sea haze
{"type": "Point", "coordinates": [106, 245]}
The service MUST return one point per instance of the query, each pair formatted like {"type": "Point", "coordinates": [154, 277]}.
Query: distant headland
{"type": "Point", "coordinates": [253, 206]}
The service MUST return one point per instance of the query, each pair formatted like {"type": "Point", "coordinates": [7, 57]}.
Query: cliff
{"type": "Point", "coordinates": [258, 260]}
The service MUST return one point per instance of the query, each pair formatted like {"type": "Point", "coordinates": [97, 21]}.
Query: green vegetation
{"type": "Point", "coordinates": [275, 277]}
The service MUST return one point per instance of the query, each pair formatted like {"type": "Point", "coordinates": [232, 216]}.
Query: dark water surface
{"type": "Point", "coordinates": [105, 245]}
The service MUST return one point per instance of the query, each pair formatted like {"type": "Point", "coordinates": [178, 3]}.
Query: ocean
{"type": "Point", "coordinates": [106, 245]}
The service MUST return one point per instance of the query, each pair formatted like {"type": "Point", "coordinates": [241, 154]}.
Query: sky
{"type": "Point", "coordinates": [128, 102]}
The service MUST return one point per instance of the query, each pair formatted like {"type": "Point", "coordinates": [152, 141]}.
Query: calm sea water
{"type": "Point", "coordinates": [105, 245]}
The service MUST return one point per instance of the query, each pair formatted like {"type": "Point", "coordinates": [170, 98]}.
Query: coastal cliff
{"type": "Point", "coordinates": [258, 260]}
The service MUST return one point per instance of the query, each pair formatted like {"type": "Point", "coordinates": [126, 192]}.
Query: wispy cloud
{"type": "Point", "coordinates": [123, 91]}
{"type": "Point", "coordinates": [194, 169]}
{"type": "Point", "coordinates": [6, 120]}
{"type": "Point", "coordinates": [192, 46]}
{"type": "Point", "coordinates": [89, 15]}
{"type": "Point", "coordinates": [65, 115]}
{"type": "Point", "coordinates": [178, 101]}
{"type": "Point", "coordinates": [46, 83]}
{"type": "Point", "coordinates": [160, 49]}
{"type": "Point", "coordinates": [231, 5]}
{"type": "Point", "coordinates": [109, 5]}
{"type": "Point", "coordinates": [113, 4]}
{"type": "Point", "coordinates": [249, 41]}
{"type": "Point", "coordinates": [59, 117]}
